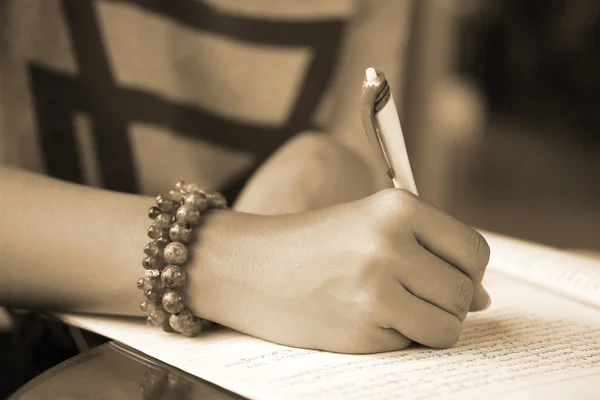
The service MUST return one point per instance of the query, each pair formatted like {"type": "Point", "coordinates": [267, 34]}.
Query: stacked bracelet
{"type": "Point", "coordinates": [174, 216]}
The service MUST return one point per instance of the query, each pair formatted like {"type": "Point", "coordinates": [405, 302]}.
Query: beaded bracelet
{"type": "Point", "coordinates": [174, 216]}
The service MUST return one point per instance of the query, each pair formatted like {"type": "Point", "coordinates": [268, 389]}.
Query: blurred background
{"type": "Point", "coordinates": [501, 114]}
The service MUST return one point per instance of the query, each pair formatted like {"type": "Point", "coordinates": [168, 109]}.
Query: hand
{"type": "Point", "coordinates": [361, 277]}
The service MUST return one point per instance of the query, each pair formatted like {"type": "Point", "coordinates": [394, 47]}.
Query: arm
{"type": "Point", "coordinates": [65, 247]}
{"type": "Point", "coordinates": [72, 248]}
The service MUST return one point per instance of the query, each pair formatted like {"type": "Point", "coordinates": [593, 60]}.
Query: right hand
{"type": "Point", "coordinates": [362, 277]}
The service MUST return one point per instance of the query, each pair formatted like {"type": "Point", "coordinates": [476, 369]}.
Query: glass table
{"type": "Point", "coordinates": [115, 371]}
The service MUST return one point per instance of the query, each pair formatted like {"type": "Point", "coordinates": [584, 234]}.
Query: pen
{"type": "Point", "coordinates": [382, 126]}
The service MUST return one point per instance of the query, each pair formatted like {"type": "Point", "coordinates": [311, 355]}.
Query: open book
{"type": "Point", "coordinates": [539, 339]}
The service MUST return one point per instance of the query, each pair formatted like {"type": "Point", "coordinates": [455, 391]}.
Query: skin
{"type": "Point", "coordinates": [368, 275]}
{"type": "Point", "coordinates": [362, 277]}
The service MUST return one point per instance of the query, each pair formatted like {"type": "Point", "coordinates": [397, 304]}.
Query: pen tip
{"type": "Point", "coordinates": [371, 75]}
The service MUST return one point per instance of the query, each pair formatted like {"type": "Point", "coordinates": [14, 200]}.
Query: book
{"type": "Point", "coordinates": [539, 339]}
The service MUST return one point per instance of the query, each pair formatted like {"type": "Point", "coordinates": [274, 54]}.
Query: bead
{"type": "Point", "coordinates": [152, 273]}
{"type": "Point", "coordinates": [176, 196]}
{"type": "Point", "coordinates": [180, 186]}
{"type": "Point", "coordinates": [165, 203]}
{"type": "Point", "coordinates": [150, 263]}
{"type": "Point", "coordinates": [144, 284]}
{"type": "Point", "coordinates": [173, 301]}
{"type": "Point", "coordinates": [196, 200]}
{"type": "Point", "coordinates": [162, 241]}
{"type": "Point", "coordinates": [163, 220]}
{"type": "Point", "coordinates": [194, 329]}
{"type": "Point", "coordinates": [175, 253]}
{"type": "Point", "coordinates": [180, 233]}
{"type": "Point", "coordinates": [174, 215]}
{"type": "Point", "coordinates": [148, 306]}
{"type": "Point", "coordinates": [190, 188]}
{"type": "Point", "coordinates": [173, 276]}
{"type": "Point", "coordinates": [155, 231]}
{"type": "Point", "coordinates": [153, 295]}
{"type": "Point", "coordinates": [167, 327]}
{"type": "Point", "coordinates": [182, 320]}
{"type": "Point", "coordinates": [153, 212]}
{"type": "Point", "coordinates": [188, 215]}
{"type": "Point", "coordinates": [152, 249]}
{"type": "Point", "coordinates": [217, 200]}
{"type": "Point", "coordinates": [157, 316]}
{"type": "Point", "coordinates": [147, 283]}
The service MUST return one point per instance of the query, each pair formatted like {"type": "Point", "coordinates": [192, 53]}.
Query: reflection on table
{"type": "Point", "coordinates": [114, 371]}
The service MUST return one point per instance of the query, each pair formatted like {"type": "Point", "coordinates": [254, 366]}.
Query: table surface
{"type": "Point", "coordinates": [114, 371]}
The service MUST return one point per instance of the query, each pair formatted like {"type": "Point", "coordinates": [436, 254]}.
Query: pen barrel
{"type": "Point", "coordinates": [392, 139]}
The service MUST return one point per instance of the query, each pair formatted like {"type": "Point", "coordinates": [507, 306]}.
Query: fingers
{"type": "Point", "coordinates": [435, 281]}
{"type": "Point", "coordinates": [421, 321]}
{"type": "Point", "coordinates": [449, 239]}
{"type": "Point", "coordinates": [481, 299]}
{"type": "Point", "coordinates": [438, 275]}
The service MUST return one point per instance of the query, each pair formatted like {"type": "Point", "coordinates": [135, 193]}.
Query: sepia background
{"type": "Point", "coordinates": [501, 115]}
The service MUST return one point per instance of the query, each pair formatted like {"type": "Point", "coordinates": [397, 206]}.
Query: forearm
{"type": "Point", "coordinates": [67, 247]}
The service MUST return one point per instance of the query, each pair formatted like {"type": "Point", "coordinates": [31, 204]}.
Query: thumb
{"type": "Point", "coordinates": [481, 299]}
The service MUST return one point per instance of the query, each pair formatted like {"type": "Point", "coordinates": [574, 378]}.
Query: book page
{"type": "Point", "coordinates": [570, 274]}
{"type": "Point", "coordinates": [528, 338]}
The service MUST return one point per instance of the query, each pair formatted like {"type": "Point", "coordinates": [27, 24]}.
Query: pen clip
{"type": "Point", "coordinates": [372, 95]}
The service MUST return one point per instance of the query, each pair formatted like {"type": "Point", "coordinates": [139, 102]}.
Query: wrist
{"type": "Point", "coordinates": [216, 282]}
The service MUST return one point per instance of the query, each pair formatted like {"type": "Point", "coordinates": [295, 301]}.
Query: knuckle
{"type": "Point", "coordinates": [365, 307]}
{"type": "Point", "coordinates": [368, 260]}
{"type": "Point", "coordinates": [450, 331]}
{"type": "Point", "coordinates": [395, 201]}
{"type": "Point", "coordinates": [377, 250]}
{"type": "Point", "coordinates": [371, 297]}
{"type": "Point", "coordinates": [465, 295]}
{"type": "Point", "coordinates": [480, 251]}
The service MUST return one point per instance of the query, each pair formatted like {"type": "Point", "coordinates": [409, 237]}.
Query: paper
{"type": "Point", "coordinates": [573, 275]}
{"type": "Point", "coordinates": [527, 338]}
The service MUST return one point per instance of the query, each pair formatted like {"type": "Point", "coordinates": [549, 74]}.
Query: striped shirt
{"type": "Point", "coordinates": [132, 95]}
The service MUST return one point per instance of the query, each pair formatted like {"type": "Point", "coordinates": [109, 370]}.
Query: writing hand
{"type": "Point", "coordinates": [366, 276]}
